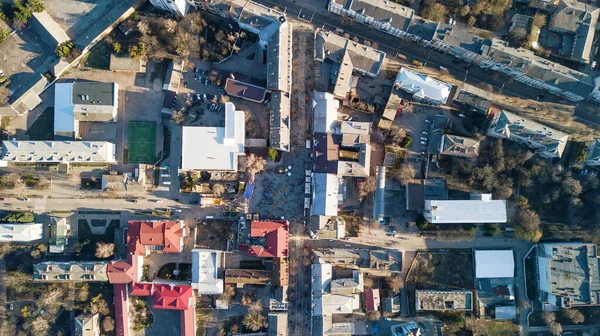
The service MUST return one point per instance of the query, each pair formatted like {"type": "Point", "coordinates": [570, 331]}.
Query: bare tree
{"type": "Point", "coordinates": [170, 25]}
{"type": "Point", "coordinates": [573, 315]}
{"type": "Point", "coordinates": [254, 321]}
{"type": "Point", "coordinates": [4, 95]}
{"type": "Point", "coordinates": [40, 325]}
{"type": "Point", "coordinates": [224, 99]}
{"type": "Point", "coordinates": [255, 306]}
{"type": "Point", "coordinates": [83, 292]}
{"type": "Point", "coordinates": [395, 283]}
{"type": "Point", "coordinates": [104, 250]}
{"type": "Point", "coordinates": [555, 328]}
{"type": "Point", "coordinates": [373, 315]}
{"type": "Point", "coordinates": [143, 27]}
{"type": "Point", "coordinates": [99, 305]}
{"type": "Point", "coordinates": [403, 174]}
{"type": "Point", "coordinates": [13, 180]}
{"type": "Point", "coordinates": [178, 117]}
{"type": "Point", "coordinates": [218, 189]}
{"type": "Point", "coordinates": [366, 186]}
{"type": "Point", "coordinates": [548, 317]}
{"type": "Point", "coordinates": [108, 324]}
{"type": "Point", "coordinates": [255, 164]}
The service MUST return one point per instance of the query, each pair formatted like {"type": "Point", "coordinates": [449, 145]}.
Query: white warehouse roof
{"type": "Point", "coordinates": [205, 269]}
{"type": "Point", "coordinates": [483, 210]}
{"type": "Point", "coordinates": [422, 86]}
{"type": "Point", "coordinates": [494, 264]}
{"type": "Point", "coordinates": [21, 232]}
{"type": "Point", "coordinates": [58, 151]}
{"type": "Point", "coordinates": [215, 148]}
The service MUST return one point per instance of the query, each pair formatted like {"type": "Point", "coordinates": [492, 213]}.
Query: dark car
{"type": "Point", "coordinates": [132, 200]}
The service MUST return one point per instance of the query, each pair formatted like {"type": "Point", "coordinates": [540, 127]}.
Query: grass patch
{"type": "Point", "coordinates": [43, 127]}
{"type": "Point", "coordinates": [501, 328]}
{"type": "Point", "coordinates": [99, 56]}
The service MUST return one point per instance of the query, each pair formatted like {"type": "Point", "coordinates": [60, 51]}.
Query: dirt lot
{"type": "Point", "coordinates": [444, 270]}
{"type": "Point", "coordinates": [213, 234]}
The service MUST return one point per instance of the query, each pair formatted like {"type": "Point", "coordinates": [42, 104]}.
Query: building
{"type": "Point", "coordinates": [280, 121]}
{"type": "Point", "coordinates": [494, 264]}
{"type": "Point", "coordinates": [372, 299]}
{"type": "Point", "coordinates": [505, 312]}
{"type": "Point", "coordinates": [58, 152]}
{"type": "Point", "coordinates": [272, 239]}
{"type": "Point", "coordinates": [241, 277]}
{"type": "Point", "coordinates": [574, 24]}
{"type": "Point", "coordinates": [354, 285]}
{"type": "Point", "coordinates": [434, 300]}
{"type": "Point", "coordinates": [393, 107]}
{"type": "Point", "coordinates": [59, 232]}
{"type": "Point", "coordinates": [423, 88]}
{"type": "Point", "coordinates": [127, 64]}
{"type": "Point", "coordinates": [221, 146]}
{"type": "Point", "coordinates": [389, 17]}
{"type": "Point", "coordinates": [379, 197]}
{"type": "Point", "coordinates": [406, 329]}
{"type": "Point", "coordinates": [326, 196]}
{"type": "Point", "coordinates": [568, 275]}
{"type": "Point", "coordinates": [88, 271]}
{"type": "Point", "coordinates": [455, 145]}
{"type": "Point", "coordinates": [547, 142]}
{"type": "Point", "coordinates": [593, 153]}
{"type": "Point", "coordinates": [421, 190]}
{"type": "Point", "coordinates": [278, 324]}
{"type": "Point", "coordinates": [83, 101]}
{"type": "Point", "coordinates": [348, 57]}
{"type": "Point", "coordinates": [245, 90]}
{"type": "Point", "coordinates": [207, 273]}
{"type": "Point", "coordinates": [473, 99]}
{"type": "Point", "coordinates": [177, 7]}
{"type": "Point", "coordinates": [21, 232]}
{"type": "Point", "coordinates": [325, 108]}
{"type": "Point", "coordinates": [87, 325]}
{"type": "Point", "coordinates": [524, 22]}
{"type": "Point", "coordinates": [123, 183]}
{"type": "Point", "coordinates": [162, 236]}
{"type": "Point", "coordinates": [372, 261]}
{"type": "Point", "coordinates": [49, 30]}
{"type": "Point", "coordinates": [479, 209]}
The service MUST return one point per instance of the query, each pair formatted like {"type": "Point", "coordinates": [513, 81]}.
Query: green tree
{"type": "Point", "coordinates": [3, 16]}
{"type": "Point", "coordinates": [21, 12]}
{"type": "Point", "coordinates": [35, 5]}
{"type": "Point", "coordinates": [117, 47]}
{"type": "Point", "coordinates": [138, 51]}
{"type": "Point", "coordinates": [64, 50]}
{"type": "Point", "coordinates": [18, 217]}
{"type": "Point", "coordinates": [422, 223]}
{"type": "Point", "coordinates": [492, 230]}
{"type": "Point", "coordinates": [272, 153]}
{"type": "Point", "coordinates": [4, 34]}
{"type": "Point", "coordinates": [527, 223]}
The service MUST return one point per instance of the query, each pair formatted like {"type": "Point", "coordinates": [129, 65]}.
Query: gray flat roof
{"type": "Point", "coordinates": [96, 93]}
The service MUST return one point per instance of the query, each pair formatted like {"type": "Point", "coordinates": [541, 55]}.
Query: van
{"type": "Point", "coordinates": [167, 183]}
{"type": "Point", "coordinates": [209, 217]}
{"type": "Point", "coordinates": [165, 175]}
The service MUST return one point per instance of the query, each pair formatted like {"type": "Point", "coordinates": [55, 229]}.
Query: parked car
{"type": "Point", "coordinates": [423, 143]}
{"type": "Point", "coordinates": [206, 82]}
{"type": "Point", "coordinates": [198, 96]}
{"type": "Point", "coordinates": [131, 200]}
{"type": "Point", "coordinates": [424, 133]}
{"type": "Point", "coordinates": [391, 235]}
{"type": "Point", "coordinates": [427, 121]}
{"type": "Point", "coordinates": [594, 65]}
{"type": "Point", "coordinates": [461, 115]}
{"type": "Point", "coordinates": [156, 201]}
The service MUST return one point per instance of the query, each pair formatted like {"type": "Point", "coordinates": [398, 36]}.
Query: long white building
{"type": "Point", "coordinates": [178, 7]}
{"type": "Point", "coordinates": [479, 209]}
{"type": "Point", "coordinates": [21, 232]}
{"type": "Point", "coordinates": [58, 151]}
{"type": "Point", "coordinates": [422, 87]}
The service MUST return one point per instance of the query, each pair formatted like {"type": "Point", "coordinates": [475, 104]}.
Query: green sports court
{"type": "Point", "coordinates": [142, 142]}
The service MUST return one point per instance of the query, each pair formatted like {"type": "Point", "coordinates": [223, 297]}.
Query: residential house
{"type": "Point", "coordinates": [473, 99]}
{"type": "Point", "coordinates": [455, 145]}
{"type": "Point", "coordinates": [245, 90]}
{"type": "Point", "coordinates": [84, 271]}
{"type": "Point", "coordinates": [406, 329]}
{"type": "Point", "coordinates": [79, 101]}
{"type": "Point", "coordinates": [326, 196]}
{"type": "Point", "coordinates": [423, 88]}
{"type": "Point", "coordinates": [386, 16]}
{"type": "Point", "coordinates": [221, 146]}
{"type": "Point", "coordinates": [325, 108]}
{"type": "Point", "coordinates": [59, 232]}
{"type": "Point", "coordinates": [435, 300]}
{"type": "Point", "coordinates": [547, 142]}
{"type": "Point", "coordinates": [372, 261]}
{"type": "Point", "coordinates": [480, 208]}
{"type": "Point", "coordinates": [393, 107]}
{"type": "Point", "coordinates": [568, 275]}
{"type": "Point", "coordinates": [593, 153]}
{"type": "Point", "coordinates": [525, 24]}
{"type": "Point", "coordinates": [372, 299]}
{"type": "Point", "coordinates": [87, 325]}
{"type": "Point", "coordinates": [21, 232]}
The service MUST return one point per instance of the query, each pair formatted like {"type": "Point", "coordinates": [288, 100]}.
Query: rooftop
{"type": "Point", "coordinates": [206, 271]}
{"type": "Point", "coordinates": [580, 20]}
{"type": "Point", "coordinates": [385, 12]}
{"type": "Point", "coordinates": [422, 87]}
{"type": "Point", "coordinates": [156, 236]}
{"type": "Point", "coordinates": [458, 146]}
{"type": "Point", "coordinates": [278, 324]}
{"type": "Point", "coordinates": [245, 90]}
{"type": "Point", "coordinates": [174, 297]}
{"type": "Point", "coordinates": [325, 194]}
{"type": "Point", "coordinates": [391, 109]}
{"type": "Point", "coordinates": [279, 57]}
{"type": "Point", "coordinates": [248, 276]}
{"type": "Point", "coordinates": [325, 108]}
{"type": "Point", "coordinates": [334, 47]}
{"type": "Point", "coordinates": [372, 299]}
{"type": "Point", "coordinates": [221, 146]}
{"type": "Point", "coordinates": [549, 140]}
{"type": "Point", "coordinates": [474, 98]}
{"type": "Point", "coordinates": [59, 230]}
{"type": "Point", "coordinates": [52, 28]}
{"type": "Point", "coordinates": [593, 153]}
{"type": "Point", "coordinates": [268, 239]}
{"type": "Point", "coordinates": [430, 189]}
{"type": "Point", "coordinates": [70, 271]}
{"type": "Point", "coordinates": [494, 264]}
{"type": "Point", "coordinates": [21, 232]}
{"type": "Point", "coordinates": [87, 325]}
{"type": "Point", "coordinates": [431, 300]}
{"type": "Point", "coordinates": [569, 274]}
{"type": "Point", "coordinates": [280, 121]}
{"type": "Point", "coordinates": [484, 210]}
{"type": "Point", "coordinates": [58, 151]}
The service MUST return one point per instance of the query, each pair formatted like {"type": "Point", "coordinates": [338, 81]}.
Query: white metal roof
{"type": "Point", "coordinates": [465, 211]}
{"type": "Point", "coordinates": [423, 86]}
{"type": "Point", "coordinates": [205, 265]}
{"type": "Point", "coordinates": [214, 148]}
{"type": "Point", "coordinates": [494, 264]}
{"type": "Point", "coordinates": [58, 151]}
{"type": "Point", "coordinates": [325, 108]}
{"type": "Point", "coordinates": [64, 110]}
{"type": "Point", "coordinates": [325, 194]}
{"type": "Point", "coordinates": [21, 232]}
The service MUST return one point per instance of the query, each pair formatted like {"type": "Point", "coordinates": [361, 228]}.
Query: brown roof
{"type": "Point", "coordinates": [252, 277]}
{"type": "Point", "coordinates": [245, 90]}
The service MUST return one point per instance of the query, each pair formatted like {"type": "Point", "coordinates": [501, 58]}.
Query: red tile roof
{"type": "Point", "coordinates": [121, 310]}
{"type": "Point", "coordinates": [188, 322]}
{"type": "Point", "coordinates": [165, 234]}
{"type": "Point", "coordinates": [277, 236]}
{"type": "Point", "coordinates": [141, 289]}
{"type": "Point", "coordinates": [172, 297]}
{"type": "Point", "coordinates": [123, 272]}
{"type": "Point", "coordinates": [372, 299]}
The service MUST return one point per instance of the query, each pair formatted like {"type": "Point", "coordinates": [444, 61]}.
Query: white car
{"type": "Point", "coordinates": [423, 143]}
{"type": "Point", "coordinates": [424, 138]}
{"type": "Point", "coordinates": [427, 121]}
{"type": "Point", "coordinates": [156, 201]}
{"type": "Point", "coordinates": [594, 65]}
{"type": "Point", "coordinates": [461, 115]}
